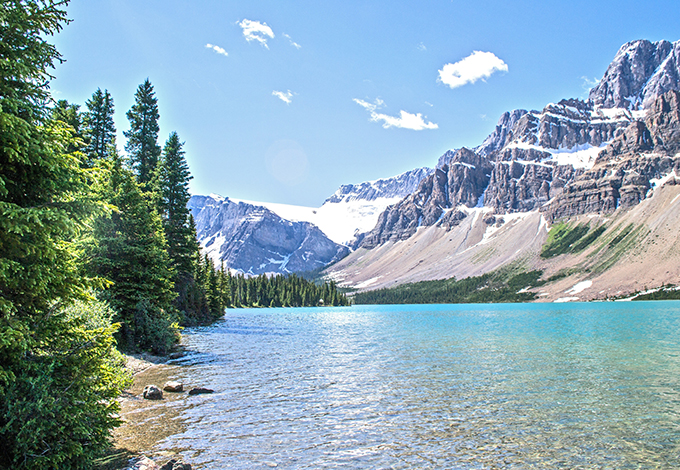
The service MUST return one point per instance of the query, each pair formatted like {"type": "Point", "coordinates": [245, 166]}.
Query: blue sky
{"type": "Point", "coordinates": [282, 101]}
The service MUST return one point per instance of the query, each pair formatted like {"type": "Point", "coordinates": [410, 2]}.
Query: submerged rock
{"type": "Point", "coordinates": [152, 392]}
{"type": "Point", "coordinates": [175, 465]}
{"type": "Point", "coordinates": [144, 463]}
{"type": "Point", "coordinates": [200, 391]}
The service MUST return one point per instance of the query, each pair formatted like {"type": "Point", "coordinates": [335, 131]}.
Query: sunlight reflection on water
{"type": "Point", "coordinates": [530, 386]}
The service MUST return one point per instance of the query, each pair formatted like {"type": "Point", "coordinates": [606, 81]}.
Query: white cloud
{"type": "Point", "coordinates": [292, 43]}
{"type": "Point", "coordinates": [405, 120]}
{"type": "Point", "coordinates": [256, 31]}
{"type": "Point", "coordinates": [217, 49]}
{"type": "Point", "coordinates": [589, 83]}
{"type": "Point", "coordinates": [285, 96]}
{"type": "Point", "coordinates": [478, 65]}
{"type": "Point", "coordinates": [421, 47]}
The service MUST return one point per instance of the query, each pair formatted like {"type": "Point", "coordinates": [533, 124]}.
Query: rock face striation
{"type": "Point", "coordinates": [255, 240]}
{"type": "Point", "coordinates": [638, 158]}
{"type": "Point", "coordinates": [573, 157]}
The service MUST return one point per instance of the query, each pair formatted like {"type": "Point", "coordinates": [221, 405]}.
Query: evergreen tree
{"type": "Point", "coordinates": [100, 128]}
{"type": "Point", "coordinates": [57, 386]}
{"type": "Point", "coordinates": [70, 115]}
{"type": "Point", "coordinates": [130, 251]}
{"type": "Point", "coordinates": [174, 180]}
{"type": "Point", "coordinates": [142, 145]}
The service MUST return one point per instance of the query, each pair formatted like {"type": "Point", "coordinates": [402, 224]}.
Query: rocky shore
{"type": "Point", "coordinates": [147, 421]}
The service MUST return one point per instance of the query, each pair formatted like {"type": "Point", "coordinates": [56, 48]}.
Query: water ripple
{"type": "Point", "coordinates": [466, 387]}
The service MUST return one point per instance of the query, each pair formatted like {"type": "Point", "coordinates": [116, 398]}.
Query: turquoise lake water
{"type": "Point", "coordinates": [519, 386]}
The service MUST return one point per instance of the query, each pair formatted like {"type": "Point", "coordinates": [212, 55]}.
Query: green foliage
{"type": "Point", "coordinates": [142, 145]}
{"type": "Point", "coordinates": [154, 329]}
{"type": "Point", "coordinates": [61, 405]}
{"type": "Point", "coordinates": [99, 126]}
{"type": "Point", "coordinates": [563, 238]}
{"type": "Point", "coordinates": [621, 236]}
{"type": "Point", "coordinates": [174, 180]}
{"type": "Point", "coordinates": [129, 249]}
{"type": "Point", "coordinates": [59, 371]}
{"type": "Point", "coordinates": [70, 115]}
{"type": "Point", "coordinates": [504, 285]}
{"type": "Point", "coordinates": [668, 292]}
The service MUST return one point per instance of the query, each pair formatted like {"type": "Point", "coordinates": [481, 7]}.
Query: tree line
{"type": "Point", "coordinates": [507, 284]}
{"type": "Point", "coordinates": [98, 252]}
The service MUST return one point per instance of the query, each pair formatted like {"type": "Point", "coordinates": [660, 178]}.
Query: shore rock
{"type": "Point", "coordinates": [152, 392]}
{"type": "Point", "coordinates": [173, 386]}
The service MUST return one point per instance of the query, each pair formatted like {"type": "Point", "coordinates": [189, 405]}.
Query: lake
{"type": "Point", "coordinates": [520, 386]}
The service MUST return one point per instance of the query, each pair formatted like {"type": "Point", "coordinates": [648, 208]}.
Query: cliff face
{"type": "Point", "coordinates": [461, 180]}
{"type": "Point", "coordinates": [626, 170]}
{"type": "Point", "coordinates": [640, 72]}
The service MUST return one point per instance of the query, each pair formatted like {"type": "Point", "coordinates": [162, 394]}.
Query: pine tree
{"type": "Point", "coordinates": [142, 145]}
{"type": "Point", "coordinates": [174, 177]}
{"type": "Point", "coordinates": [100, 128]}
{"type": "Point", "coordinates": [57, 383]}
{"type": "Point", "coordinates": [130, 250]}
{"type": "Point", "coordinates": [70, 115]}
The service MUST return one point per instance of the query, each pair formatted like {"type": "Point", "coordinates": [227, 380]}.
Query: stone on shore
{"type": "Point", "coordinates": [152, 392]}
{"type": "Point", "coordinates": [173, 386]}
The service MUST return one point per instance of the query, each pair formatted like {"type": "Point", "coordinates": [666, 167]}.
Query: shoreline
{"type": "Point", "coordinates": [130, 445]}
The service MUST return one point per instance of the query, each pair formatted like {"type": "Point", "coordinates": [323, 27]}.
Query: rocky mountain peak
{"type": "Point", "coordinates": [502, 134]}
{"type": "Point", "coordinates": [640, 72]}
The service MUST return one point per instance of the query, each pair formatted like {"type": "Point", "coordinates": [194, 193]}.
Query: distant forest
{"type": "Point", "coordinates": [505, 285]}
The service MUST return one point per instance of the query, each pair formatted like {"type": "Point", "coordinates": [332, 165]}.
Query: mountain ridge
{"type": "Point", "coordinates": [231, 230]}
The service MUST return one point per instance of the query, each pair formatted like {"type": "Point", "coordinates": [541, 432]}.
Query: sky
{"type": "Point", "coordinates": [284, 101]}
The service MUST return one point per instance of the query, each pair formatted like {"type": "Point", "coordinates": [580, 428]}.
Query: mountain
{"type": "Point", "coordinates": [255, 240]}
{"type": "Point", "coordinates": [576, 163]}
{"type": "Point", "coordinates": [256, 237]}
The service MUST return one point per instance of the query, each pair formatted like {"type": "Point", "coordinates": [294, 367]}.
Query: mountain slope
{"type": "Point", "coordinates": [598, 158]}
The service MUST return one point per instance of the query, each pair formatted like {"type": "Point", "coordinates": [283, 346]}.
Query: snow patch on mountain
{"type": "Point", "coordinates": [579, 156]}
{"type": "Point", "coordinates": [340, 221]}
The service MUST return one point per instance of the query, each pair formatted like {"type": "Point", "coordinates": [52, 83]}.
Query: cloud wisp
{"type": "Point", "coordinates": [256, 31]}
{"type": "Point", "coordinates": [476, 66]}
{"type": "Point", "coordinates": [285, 96]}
{"type": "Point", "coordinates": [217, 49]}
{"type": "Point", "coordinates": [589, 83]}
{"type": "Point", "coordinates": [292, 43]}
{"type": "Point", "coordinates": [405, 120]}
